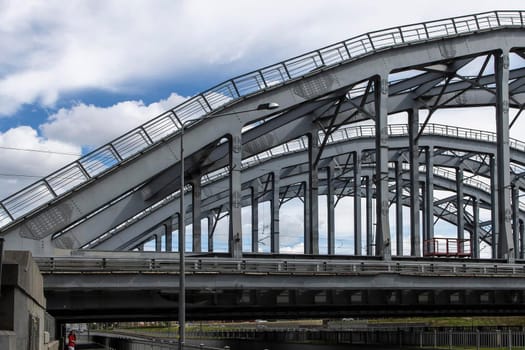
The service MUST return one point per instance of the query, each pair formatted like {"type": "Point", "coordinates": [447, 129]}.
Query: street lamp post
{"type": "Point", "coordinates": [182, 225]}
{"type": "Point", "coordinates": [182, 245]}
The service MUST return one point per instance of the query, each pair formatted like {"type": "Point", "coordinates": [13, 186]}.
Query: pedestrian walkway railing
{"type": "Point", "coordinates": [107, 157]}
{"type": "Point", "coordinates": [339, 265]}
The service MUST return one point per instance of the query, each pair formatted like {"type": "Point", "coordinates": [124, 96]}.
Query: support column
{"type": "Point", "coordinates": [311, 239]}
{"type": "Point", "coordinates": [383, 248]}
{"type": "Point", "coordinates": [196, 215]}
{"type": "Point", "coordinates": [460, 212]}
{"type": "Point", "coordinates": [235, 234]}
{"type": "Point", "coordinates": [522, 238]}
{"type": "Point", "coordinates": [255, 217]}
{"type": "Point", "coordinates": [423, 211]}
{"type": "Point", "coordinates": [506, 244]}
{"type": "Point", "coordinates": [275, 204]}
{"type": "Point", "coordinates": [429, 198]}
{"type": "Point", "coordinates": [158, 243]}
{"type": "Point", "coordinates": [168, 234]}
{"type": "Point", "coordinates": [369, 218]}
{"type": "Point", "coordinates": [399, 207]}
{"type": "Point", "coordinates": [330, 208]}
{"type": "Point", "coordinates": [413, 121]}
{"type": "Point", "coordinates": [357, 204]}
{"type": "Point", "coordinates": [494, 207]}
{"type": "Point", "coordinates": [211, 228]}
{"type": "Point", "coordinates": [515, 219]}
{"type": "Point", "coordinates": [475, 229]}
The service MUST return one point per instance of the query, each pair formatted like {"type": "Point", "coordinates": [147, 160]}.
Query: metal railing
{"type": "Point", "coordinates": [449, 247]}
{"type": "Point", "coordinates": [137, 265]}
{"type": "Point", "coordinates": [401, 336]}
{"type": "Point", "coordinates": [105, 158]}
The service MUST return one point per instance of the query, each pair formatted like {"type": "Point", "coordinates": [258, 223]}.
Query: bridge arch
{"type": "Point", "coordinates": [367, 78]}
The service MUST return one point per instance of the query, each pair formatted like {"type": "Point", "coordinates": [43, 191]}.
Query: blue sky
{"type": "Point", "coordinates": [76, 74]}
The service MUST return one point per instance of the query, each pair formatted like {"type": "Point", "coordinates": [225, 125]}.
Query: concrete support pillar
{"type": "Point", "coordinates": [330, 208]}
{"type": "Point", "coordinates": [413, 121]}
{"type": "Point", "coordinates": [369, 218]}
{"type": "Point", "coordinates": [275, 204]}
{"type": "Point", "coordinates": [494, 207]}
{"type": "Point", "coordinates": [429, 191]}
{"type": "Point", "coordinates": [399, 207]}
{"type": "Point", "coordinates": [255, 217]}
{"type": "Point", "coordinates": [506, 243]}
{"type": "Point", "coordinates": [383, 248]}
{"type": "Point", "coordinates": [235, 234]}
{"type": "Point", "coordinates": [22, 304]}
{"type": "Point", "coordinates": [357, 204]}
{"type": "Point", "coordinates": [311, 232]}
{"type": "Point", "coordinates": [515, 219]}
{"type": "Point", "coordinates": [196, 215]}
{"type": "Point", "coordinates": [168, 234]}
{"type": "Point", "coordinates": [460, 212]}
{"type": "Point", "coordinates": [475, 229]}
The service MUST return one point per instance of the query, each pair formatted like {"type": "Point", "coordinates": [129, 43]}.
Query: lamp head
{"type": "Point", "coordinates": [268, 106]}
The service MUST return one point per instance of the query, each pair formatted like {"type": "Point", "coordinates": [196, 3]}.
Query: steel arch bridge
{"type": "Point", "coordinates": [329, 136]}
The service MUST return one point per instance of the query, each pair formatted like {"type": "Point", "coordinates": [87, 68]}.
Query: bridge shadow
{"type": "Point", "coordinates": [89, 346]}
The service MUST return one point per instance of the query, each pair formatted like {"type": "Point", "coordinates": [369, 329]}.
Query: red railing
{"type": "Point", "coordinates": [450, 247]}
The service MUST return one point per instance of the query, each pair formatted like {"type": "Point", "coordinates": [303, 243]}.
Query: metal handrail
{"type": "Point", "coordinates": [105, 158]}
{"type": "Point", "coordinates": [142, 265]}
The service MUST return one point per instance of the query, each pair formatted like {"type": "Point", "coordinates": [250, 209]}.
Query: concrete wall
{"type": "Point", "coordinates": [22, 303]}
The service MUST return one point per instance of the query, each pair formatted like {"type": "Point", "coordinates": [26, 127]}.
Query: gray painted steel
{"type": "Point", "coordinates": [315, 143]}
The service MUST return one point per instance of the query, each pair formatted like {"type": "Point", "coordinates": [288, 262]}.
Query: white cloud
{"type": "Point", "coordinates": [295, 249]}
{"type": "Point", "coordinates": [21, 168]}
{"type": "Point", "coordinates": [89, 125]}
{"type": "Point", "coordinates": [53, 47]}
{"type": "Point", "coordinates": [68, 131]}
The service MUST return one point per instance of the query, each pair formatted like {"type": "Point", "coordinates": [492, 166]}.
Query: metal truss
{"type": "Point", "coordinates": [316, 143]}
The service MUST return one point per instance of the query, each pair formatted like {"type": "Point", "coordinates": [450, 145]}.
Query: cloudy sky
{"type": "Point", "coordinates": [76, 74]}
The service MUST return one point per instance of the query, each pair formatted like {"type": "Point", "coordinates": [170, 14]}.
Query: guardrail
{"type": "Point", "coordinates": [395, 336]}
{"type": "Point", "coordinates": [273, 265]}
{"type": "Point", "coordinates": [450, 247]}
{"type": "Point", "coordinates": [401, 336]}
{"type": "Point", "coordinates": [103, 159]}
